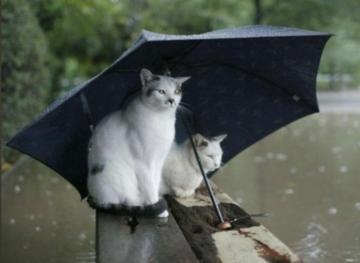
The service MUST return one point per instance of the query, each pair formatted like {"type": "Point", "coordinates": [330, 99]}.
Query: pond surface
{"type": "Point", "coordinates": [306, 176]}
{"type": "Point", "coordinates": [43, 219]}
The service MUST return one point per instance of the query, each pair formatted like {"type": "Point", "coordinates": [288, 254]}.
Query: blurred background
{"type": "Point", "coordinates": [305, 176]}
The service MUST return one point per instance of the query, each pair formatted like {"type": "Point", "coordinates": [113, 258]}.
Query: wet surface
{"type": "Point", "coordinates": [307, 177]}
{"type": "Point", "coordinates": [43, 219]}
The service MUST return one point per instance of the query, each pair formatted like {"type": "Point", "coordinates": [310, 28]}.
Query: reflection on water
{"type": "Point", "coordinates": [307, 177]}
{"type": "Point", "coordinates": [43, 219]}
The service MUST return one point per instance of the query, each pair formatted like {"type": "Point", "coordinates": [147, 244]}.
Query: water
{"type": "Point", "coordinates": [43, 219]}
{"type": "Point", "coordinates": [305, 175]}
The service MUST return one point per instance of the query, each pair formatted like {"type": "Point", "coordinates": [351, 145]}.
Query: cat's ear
{"type": "Point", "coordinates": [146, 76]}
{"type": "Point", "coordinates": [219, 138]}
{"type": "Point", "coordinates": [181, 80]}
{"type": "Point", "coordinates": [200, 141]}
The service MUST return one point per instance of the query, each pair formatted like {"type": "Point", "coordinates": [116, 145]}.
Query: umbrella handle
{"type": "Point", "coordinates": [223, 224]}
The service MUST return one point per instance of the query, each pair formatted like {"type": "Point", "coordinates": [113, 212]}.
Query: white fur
{"type": "Point", "coordinates": [133, 143]}
{"type": "Point", "coordinates": [181, 173]}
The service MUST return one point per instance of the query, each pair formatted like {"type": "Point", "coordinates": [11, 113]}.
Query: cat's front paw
{"type": "Point", "coordinates": [163, 214]}
{"type": "Point", "coordinates": [183, 194]}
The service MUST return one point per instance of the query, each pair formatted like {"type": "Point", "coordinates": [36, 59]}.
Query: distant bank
{"type": "Point", "coordinates": [339, 101]}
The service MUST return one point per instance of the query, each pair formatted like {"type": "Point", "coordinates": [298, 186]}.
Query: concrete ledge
{"type": "Point", "coordinates": [189, 235]}
{"type": "Point", "coordinates": [247, 241]}
{"type": "Point", "coordinates": [153, 240]}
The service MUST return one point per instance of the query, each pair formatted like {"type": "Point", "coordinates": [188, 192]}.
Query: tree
{"type": "Point", "coordinates": [24, 66]}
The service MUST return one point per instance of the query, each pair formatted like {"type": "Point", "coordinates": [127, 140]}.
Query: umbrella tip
{"type": "Point", "coordinates": [224, 225]}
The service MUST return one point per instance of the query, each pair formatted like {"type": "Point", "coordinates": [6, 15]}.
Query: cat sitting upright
{"type": "Point", "coordinates": [181, 173]}
{"type": "Point", "coordinates": [128, 148]}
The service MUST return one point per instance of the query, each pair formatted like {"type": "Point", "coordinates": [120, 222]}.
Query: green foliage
{"type": "Point", "coordinates": [341, 58]}
{"type": "Point", "coordinates": [51, 46]}
{"type": "Point", "coordinates": [24, 69]}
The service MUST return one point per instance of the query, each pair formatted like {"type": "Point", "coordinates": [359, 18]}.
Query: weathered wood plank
{"type": "Point", "coordinates": [247, 241]}
{"type": "Point", "coordinates": [154, 240]}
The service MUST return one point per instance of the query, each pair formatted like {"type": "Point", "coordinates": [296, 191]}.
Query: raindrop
{"type": "Point", "coordinates": [332, 211]}
{"type": "Point", "coordinates": [37, 229]}
{"type": "Point", "coordinates": [31, 217]}
{"type": "Point", "coordinates": [289, 191]}
{"type": "Point", "coordinates": [281, 157]}
{"type": "Point", "coordinates": [357, 206]}
{"type": "Point", "coordinates": [54, 180]}
{"type": "Point", "coordinates": [50, 203]}
{"type": "Point", "coordinates": [91, 242]}
{"type": "Point", "coordinates": [68, 187]}
{"type": "Point", "coordinates": [343, 169]}
{"type": "Point", "coordinates": [12, 221]}
{"type": "Point", "coordinates": [54, 223]}
{"type": "Point", "coordinates": [21, 178]}
{"type": "Point", "coordinates": [258, 159]}
{"type": "Point", "coordinates": [321, 169]}
{"type": "Point", "coordinates": [312, 247]}
{"type": "Point", "coordinates": [25, 246]}
{"type": "Point", "coordinates": [296, 98]}
{"type": "Point", "coordinates": [49, 193]}
{"type": "Point", "coordinates": [82, 236]}
{"type": "Point", "coordinates": [356, 124]}
{"type": "Point", "coordinates": [17, 189]}
{"type": "Point", "coordinates": [270, 155]}
{"type": "Point", "coordinates": [336, 149]}
{"type": "Point", "coordinates": [293, 170]}
{"type": "Point", "coordinates": [349, 260]}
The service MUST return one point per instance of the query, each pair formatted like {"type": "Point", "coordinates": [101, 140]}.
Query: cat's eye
{"type": "Point", "coordinates": [178, 91]}
{"type": "Point", "coordinates": [211, 156]}
{"type": "Point", "coordinates": [161, 91]}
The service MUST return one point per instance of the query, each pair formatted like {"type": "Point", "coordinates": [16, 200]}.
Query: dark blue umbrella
{"type": "Point", "coordinates": [246, 82]}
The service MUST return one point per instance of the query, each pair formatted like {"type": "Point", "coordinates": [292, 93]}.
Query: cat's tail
{"type": "Point", "coordinates": [121, 209]}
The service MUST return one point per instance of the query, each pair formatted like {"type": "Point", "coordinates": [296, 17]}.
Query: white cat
{"type": "Point", "coordinates": [181, 173]}
{"type": "Point", "coordinates": [128, 149]}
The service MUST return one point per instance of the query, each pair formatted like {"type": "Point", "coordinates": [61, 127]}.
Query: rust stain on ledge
{"type": "Point", "coordinates": [269, 254]}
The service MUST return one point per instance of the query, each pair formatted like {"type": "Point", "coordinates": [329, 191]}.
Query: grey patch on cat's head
{"type": "Point", "coordinates": [200, 141]}
{"type": "Point", "coordinates": [146, 77]}
{"type": "Point", "coordinates": [97, 168]}
{"type": "Point", "coordinates": [161, 92]}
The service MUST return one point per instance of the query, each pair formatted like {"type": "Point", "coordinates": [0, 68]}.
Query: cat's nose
{"type": "Point", "coordinates": [171, 101]}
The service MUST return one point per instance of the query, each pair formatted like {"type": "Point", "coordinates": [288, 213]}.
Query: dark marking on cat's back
{"type": "Point", "coordinates": [97, 168]}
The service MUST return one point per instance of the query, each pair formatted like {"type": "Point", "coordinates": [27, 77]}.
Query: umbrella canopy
{"type": "Point", "coordinates": [246, 82]}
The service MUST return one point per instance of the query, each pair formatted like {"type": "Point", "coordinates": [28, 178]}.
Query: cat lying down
{"type": "Point", "coordinates": [181, 174]}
